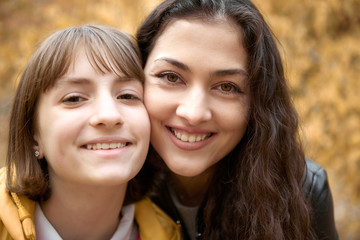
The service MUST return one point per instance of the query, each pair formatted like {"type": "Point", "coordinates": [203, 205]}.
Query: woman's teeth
{"type": "Point", "coordinates": [189, 138]}
{"type": "Point", "coordinates": [105, 146]}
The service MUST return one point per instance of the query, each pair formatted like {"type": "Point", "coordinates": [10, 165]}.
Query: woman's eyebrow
{"type": "Point", "coordinates": [227, 72]}
{"type": "Point", "coordinates": [224, 72]}
{"type": "Point", "coordinates": [174, 63]}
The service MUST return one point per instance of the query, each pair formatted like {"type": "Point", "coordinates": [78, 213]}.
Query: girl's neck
{"type": "Point", "coordinates": [191, 190]}
{"type": "Point", "coordinates": [85, 212]}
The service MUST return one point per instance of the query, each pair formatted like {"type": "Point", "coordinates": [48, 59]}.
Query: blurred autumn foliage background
{"type": "Point", "coordinates": [320, 43]}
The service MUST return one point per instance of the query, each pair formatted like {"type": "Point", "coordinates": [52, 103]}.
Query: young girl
{"type": "Point", "coordinates": [79, 132]}
{"type": "Point", "coordinates": [224, 130]}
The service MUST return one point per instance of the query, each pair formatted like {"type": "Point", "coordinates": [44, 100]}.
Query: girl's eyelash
{"type": "Point", "coordinates": [128, 96]}
{"type": "Point", "coordinates": [72, 99]}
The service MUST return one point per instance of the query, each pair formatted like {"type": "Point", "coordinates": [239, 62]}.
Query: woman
{"type": "Point", "coordinates": [79, 131]}
{"type": "Point", "coordinates": [224, 131]}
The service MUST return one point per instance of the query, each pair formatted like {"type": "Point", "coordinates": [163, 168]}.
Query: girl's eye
{"type": "Point", "coordinates": [128, 96]}
{"type": "Point", "coordinates": [73, 99]}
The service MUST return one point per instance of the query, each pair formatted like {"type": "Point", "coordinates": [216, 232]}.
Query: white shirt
{"type": "Point", "coordinates": [126, 229]}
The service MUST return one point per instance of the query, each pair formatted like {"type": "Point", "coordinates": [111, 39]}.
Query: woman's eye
{"type": "Point", "coordinates": [172, 77]}
{"type": "Point", "coordinates": [169, 77]}
{"type": "Point", "coordinates": [229, 88]}
{"type": "Point", "coordinates": [226, 87]}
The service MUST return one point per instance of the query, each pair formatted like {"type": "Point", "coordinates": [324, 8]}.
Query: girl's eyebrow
{"type": "Point", "coordinates": [75, 80]}
{"type": "Point", "coordinates": [87, 81]}
{"type": "Point", "coordinates": [224, 72]}
{"type": "Point", "coordinates": [72, 81]}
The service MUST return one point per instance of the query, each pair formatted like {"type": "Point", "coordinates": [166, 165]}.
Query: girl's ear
{"type": "Point", "coordinates": [37, 147]}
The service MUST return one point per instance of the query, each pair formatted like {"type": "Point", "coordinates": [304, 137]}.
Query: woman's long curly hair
{"type": "Point", "coordinates": [257, 191]}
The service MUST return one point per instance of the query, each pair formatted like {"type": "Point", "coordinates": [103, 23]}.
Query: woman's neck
{"type": "Point", "coordinates": [191, 190]}
{"type": "Point", "coordinates": [84, 212]}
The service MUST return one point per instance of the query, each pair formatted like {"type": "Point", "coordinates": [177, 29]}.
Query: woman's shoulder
{"type": "Point", "coordinates": [316, 181]}
{"type": "Point", "coordinates": [313, 167]}
{"type": "Point", "coordinates": [317, 190]}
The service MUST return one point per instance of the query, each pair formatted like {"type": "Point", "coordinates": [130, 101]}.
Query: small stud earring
{"type": "Point", "coordinates": [37, 153]}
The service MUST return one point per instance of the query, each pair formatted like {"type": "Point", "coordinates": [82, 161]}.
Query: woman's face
{"type": "Point", "coordinates": [196, 94]}
{"type": "Point", "coordinates": [92, 128]}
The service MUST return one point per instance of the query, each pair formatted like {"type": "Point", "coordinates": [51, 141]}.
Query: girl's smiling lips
{"type": "Point", "coordinates": [105, 146]}
{"type": "Point", "coordinates": [106, 143]}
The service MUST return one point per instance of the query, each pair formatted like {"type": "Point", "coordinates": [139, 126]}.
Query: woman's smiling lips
{"type": "Point", "coordinates": [189, 139]}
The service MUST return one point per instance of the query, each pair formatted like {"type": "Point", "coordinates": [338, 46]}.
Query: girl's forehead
{"type": "Point", "coordinates": [100, 60]}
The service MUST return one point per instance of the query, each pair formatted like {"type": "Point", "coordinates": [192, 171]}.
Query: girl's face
{"type": "Point", "coordinates": [93, 128]}
{"type": "Point", "coordinates": [196, 94]}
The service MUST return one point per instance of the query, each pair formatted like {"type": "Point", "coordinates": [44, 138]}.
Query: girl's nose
{"type": "Point", "coordinates": [106, 112]}
{"type": "Point", "coordinates": [194, 106]}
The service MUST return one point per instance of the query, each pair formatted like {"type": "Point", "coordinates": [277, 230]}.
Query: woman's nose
{"type": "Point", "coordinates": [194, 106]}
{"type": "Point", "coordinates": [106, 112]}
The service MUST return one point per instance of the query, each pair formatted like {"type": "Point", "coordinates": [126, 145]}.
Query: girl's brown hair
{"type": "Point", "coordinates": [257, 191]}
{"type": "Point", "coordinates": [108, 50]}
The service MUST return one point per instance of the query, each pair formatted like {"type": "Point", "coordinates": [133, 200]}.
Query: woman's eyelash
{"type": "Point", "coordinates": [170, 76]}
{"type": "Point", "coordinates": [224, 87]}
{"type": "Point", "coordinates": [229, 88]}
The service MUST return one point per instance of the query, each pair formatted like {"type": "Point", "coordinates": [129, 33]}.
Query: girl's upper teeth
{"type": "Point", "coordinates": [190, 138]}
{"type": "Point", "coordinates": [105, 146]}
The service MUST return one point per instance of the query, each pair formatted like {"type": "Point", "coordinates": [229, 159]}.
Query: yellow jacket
{"type": "Point", "coordinates": [16, 218]}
